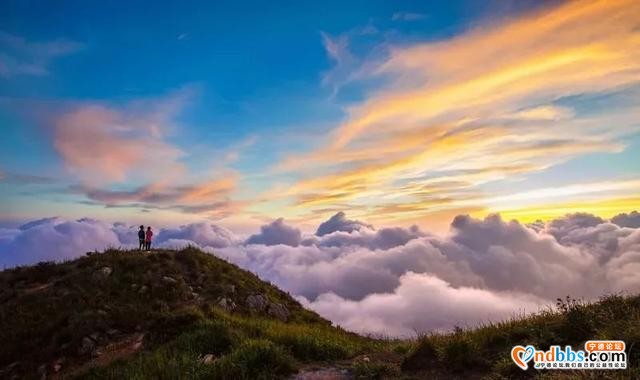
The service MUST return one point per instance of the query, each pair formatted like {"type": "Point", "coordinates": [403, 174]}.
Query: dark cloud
{"type": "Point", "coordinates": [384, 238]}
{"type": "Point", "coordinates": [562, 227]}
{"type": "Point", "coordinates": [276, 233]}
{"type": "Point", "coordinates": [154, 194]}
{"type": "Point", "coordinates": [339, 222]}
{"type": "Point", "coordinates": [149, 198]}
{"type": "Point", "coordinates": [631, 220]}
{"type": "Point", "coordinates": [38, 222]}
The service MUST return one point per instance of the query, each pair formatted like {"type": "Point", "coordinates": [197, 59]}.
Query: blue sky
{"type": "Point", "coordinates": [257, 92]}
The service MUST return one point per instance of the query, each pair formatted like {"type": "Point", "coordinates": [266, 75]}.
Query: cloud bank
{"type": "Point", "coordinates": [394, 280]}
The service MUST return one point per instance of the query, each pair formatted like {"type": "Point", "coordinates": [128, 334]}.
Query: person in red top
{"type": "Point", "coordinates": [149, 236]}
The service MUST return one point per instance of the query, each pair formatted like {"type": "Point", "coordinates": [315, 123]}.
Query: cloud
{"type": "Point", "coordinates": [391, 280]}
{"type": "Point", "coordinates": [422, 303]}
{"type": "Point", "coordinates": [55, 239]}
{"type": "Point", "coordinates": [7, 235]}
{"type": "Point", "coordinates": [210, 198]}
{"type": "Point", "coordinates": [631, 219]}
{"type": "Point", "coordinates": [383, 238]}
{"type": "Point", "coordinates": [102, 145]}
{"type": "Point", "coordinates": [365, 286]}
{"type": "Point", "coordinates": [337, 49]}
{"type": "Point", "coordinates": [455, 110]}
{"type": "Point", "coordinates": [39, 222]}
{"type": "Point", "coordinates": [108, 148]}
{"type": "Point", "coordinates": [276, 233]}
{"type": "Point", "coordinates": [340, 51]}
{"type": "Point", "coordinates": [19, 56]}
{"type": "Point", "coordinates": [202, 234]}
{"type": "Point", "coordinates": [25, 179]}
{"type": "Point", "coordinates": [564, 227]}
{"type": "Point", "coordinates": [408, 16]}
{"type": "Point", "coordinates": [510, 256]}
{"type": "Point", "coordinates": [159, 193]}
{"type": "Point", "coordinates": [546, 112]}
{"type": "Point", "coordinates": [339, 222]}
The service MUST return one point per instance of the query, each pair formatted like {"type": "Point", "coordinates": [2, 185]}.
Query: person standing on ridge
{"type": "Point", "coordinates": [149, 236]}
{"type": "Point", "coordinates": [141, 239]}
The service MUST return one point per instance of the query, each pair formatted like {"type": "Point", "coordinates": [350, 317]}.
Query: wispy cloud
{"type": "Point", "coordinates": [337, 49]}
{"type": "Point", "coordinates": [408, 16]}
{"type": "Point", "coordinates": [19, 56]}
{"type": "Point", "coordinates": [347, 66]}
{"type": "Point", "coordinates": [25, 179]}
{"type": "Point", "coordinates": [211, 199]}
{"type": "Point", "coordinates": [477, 108]}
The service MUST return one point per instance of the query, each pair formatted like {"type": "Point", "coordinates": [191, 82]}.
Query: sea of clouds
{"type": "Point", "coordinates": [391, 281]}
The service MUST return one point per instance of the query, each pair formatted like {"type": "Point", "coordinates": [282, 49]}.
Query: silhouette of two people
{"type": "Point", "coordinates": [144, 238]}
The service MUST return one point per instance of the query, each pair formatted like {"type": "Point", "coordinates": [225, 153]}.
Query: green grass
{"type": "Point", "coordinates": [254, 359]}
{"type": "Point", "coordinates": [241, 344]}
{"type": "Point", "coordinates": [47, 310]}
{"type": "Point", "coordinates": [304, 341]}
{"type": "Point", "coordinates": [486, 349]}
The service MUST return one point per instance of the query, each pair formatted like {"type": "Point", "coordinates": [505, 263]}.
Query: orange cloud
{"type": "Point", "coordinates": [103, 145]}
{"type": "Point", "coordinates": [580, 47]}
{"type": "Point", "coordinates": [479, 108]}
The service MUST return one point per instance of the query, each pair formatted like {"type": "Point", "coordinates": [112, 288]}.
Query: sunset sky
{"type": "Point", "coordinates": [395, 112]}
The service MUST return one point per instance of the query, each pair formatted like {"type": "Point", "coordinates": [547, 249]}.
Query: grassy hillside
{"type": "Point", "coordinates": [188, 314]}
{"type": "Point", "coordinates": [484, 352]}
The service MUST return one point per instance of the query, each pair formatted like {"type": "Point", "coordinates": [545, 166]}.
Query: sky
{"type": "Point", "coordinates": [373, 158]}
{"type": "Point", "coordinates": [400, 112]}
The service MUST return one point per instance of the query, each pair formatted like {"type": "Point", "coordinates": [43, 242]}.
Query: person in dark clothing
{"type": "Point", "coordinates": [141, 238]}
{"type": "Point", "coordinates": [149, 236]}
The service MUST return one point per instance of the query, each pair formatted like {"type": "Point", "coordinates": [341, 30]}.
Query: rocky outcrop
{"type": "Point", "coordinates": [278, 311]}
{"type": "Point", "coordinates": [227, 304]}
{"type": "Point", "coordinates": [260, 303]}
{"type": "Point", "coordinates": [257, 302]}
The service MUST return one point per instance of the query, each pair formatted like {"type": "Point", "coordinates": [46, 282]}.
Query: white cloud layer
{"type": "Point", "coordinates": [392, 281]}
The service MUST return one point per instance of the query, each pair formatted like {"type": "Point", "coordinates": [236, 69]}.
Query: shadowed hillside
{"type": "Point", "coordinates": [188, 314]}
